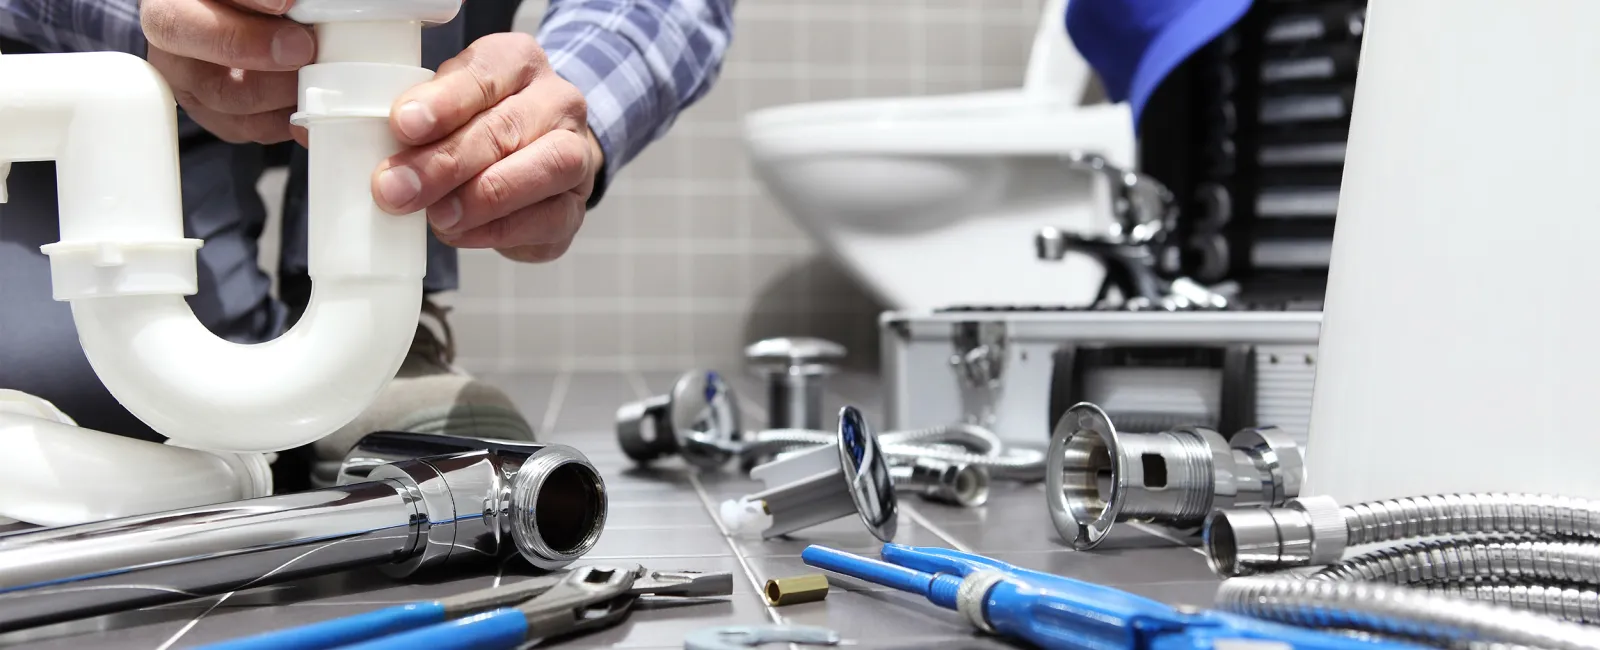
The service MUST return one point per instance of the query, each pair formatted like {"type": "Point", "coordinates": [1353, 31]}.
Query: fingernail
{"type": "Point", "coordinates": [445, 215]}
{"type": "Point", "coordinates": [292, 46]}
{"type": "Point", "coordinates": [415, 120]}
{"type": "Point", "coordinates": [399, 186]}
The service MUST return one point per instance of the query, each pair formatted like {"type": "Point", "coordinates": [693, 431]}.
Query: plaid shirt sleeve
{"type": "Point", "coordinates": [638, 62]}
{"type": "Point", "coordinates": [74, 25]}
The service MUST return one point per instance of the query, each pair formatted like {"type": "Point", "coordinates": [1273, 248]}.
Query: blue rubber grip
{"type": "Point", "coordinates": [341, 631]}
{"type": "Point", "coordinates": [502, 629]}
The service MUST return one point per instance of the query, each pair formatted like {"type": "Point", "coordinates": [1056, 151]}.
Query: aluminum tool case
{"type": "Point", "coordinates": [1017, 370]}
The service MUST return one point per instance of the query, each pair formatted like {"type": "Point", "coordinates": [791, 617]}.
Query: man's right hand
{"type": "Point", "coordinates": [231, 63]}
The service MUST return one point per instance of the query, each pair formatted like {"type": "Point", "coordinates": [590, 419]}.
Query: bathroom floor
{"type": "Point", "coordinates": [664, 519]}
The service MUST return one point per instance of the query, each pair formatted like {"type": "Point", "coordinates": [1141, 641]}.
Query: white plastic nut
{"type": "Point", "coordinates": [745, 517]}
{"type": "Point", "coordinates": [437, 12]}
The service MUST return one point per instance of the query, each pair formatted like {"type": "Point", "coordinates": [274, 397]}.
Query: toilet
{"type": "Point", "coordinates": [934, 201]}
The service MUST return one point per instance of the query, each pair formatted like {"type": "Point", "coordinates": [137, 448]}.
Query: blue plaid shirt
{"type": "Point", "coordinates": [639, 62]}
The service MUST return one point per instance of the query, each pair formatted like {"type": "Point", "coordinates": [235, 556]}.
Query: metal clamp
{"type": "Point", "coordinates": [794, 369]}
{"type": "Point", "coordinates": [698, 420]}
{"type": "Point", "coordinates": [740, 637]}
{"type": "Point", "coordinates": [1098, 476]}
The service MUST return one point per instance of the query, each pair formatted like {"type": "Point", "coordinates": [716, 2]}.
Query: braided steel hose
{"type": "Point", "coordinates": [1530, 562]}
{"type": "Point", "coordinates": [1399, 612]}
{"type": "Point", "coordinates": [1316, 531]}
{"type": "Point", "coordinates": [1528, 575]}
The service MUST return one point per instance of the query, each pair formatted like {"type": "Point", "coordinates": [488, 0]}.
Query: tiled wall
{"type": "Point", "coordinates": [687, 260]}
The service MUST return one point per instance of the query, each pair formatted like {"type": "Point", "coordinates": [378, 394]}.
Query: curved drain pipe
{"type": "Point", "coordinates": [108, 120]}
{"type": "Point", "coordinates": [55, 473]}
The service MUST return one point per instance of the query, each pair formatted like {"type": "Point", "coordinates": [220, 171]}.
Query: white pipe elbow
{"type": "Point", "coordinates": [57, 474]}
{"type": "Point", "coordinates": [109, 122]}
{"type": "Point", "coordinates": [169, 371]}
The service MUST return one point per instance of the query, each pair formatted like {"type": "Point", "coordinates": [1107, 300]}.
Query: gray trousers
{"type": "Point", "coordinates": [39, 351]}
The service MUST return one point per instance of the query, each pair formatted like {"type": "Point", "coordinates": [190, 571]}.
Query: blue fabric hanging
{"type": "Point", "coordinates": [1134, 44]}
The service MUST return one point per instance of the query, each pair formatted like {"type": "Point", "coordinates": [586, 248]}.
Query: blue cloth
{"type": "Point", "coordinates": [1134, 44]}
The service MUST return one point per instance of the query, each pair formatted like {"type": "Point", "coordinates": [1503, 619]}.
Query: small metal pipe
{"type": "Point", "coordinates": [943, 482]}
{"type": "Point", "coordinates": [545, 501]}
{"type": "Point", "coordinates": [698, 420]}
{"type": "Point", "coordinates": [795, 370]}
{"type": "Point", "coordinates": [1098, 476]}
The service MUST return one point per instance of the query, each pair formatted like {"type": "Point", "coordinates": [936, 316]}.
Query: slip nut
{"type": "Point", "coordinates": [797, 589]}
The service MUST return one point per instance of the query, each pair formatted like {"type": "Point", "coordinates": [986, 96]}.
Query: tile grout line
{"type": "Point", "coordinates": [176, 636]}
{"type": "Point", "coordinates": [558, 395]}
{"type": "Point", "coordinates": [641, 389]}
{"type": "Point", "coordinates": [937, 531]}
{"type": "Point", "coordinates": [744, 562]}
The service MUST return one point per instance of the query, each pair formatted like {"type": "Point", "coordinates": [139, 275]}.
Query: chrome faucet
{"type": "Point", "coordinates": [1145, 216]}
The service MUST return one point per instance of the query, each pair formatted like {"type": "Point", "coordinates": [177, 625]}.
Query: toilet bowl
{"type": "Point", "coordinates": [934, 201]}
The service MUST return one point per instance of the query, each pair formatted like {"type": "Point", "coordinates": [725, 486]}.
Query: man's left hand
{"type": "Point", "coordinates": [499, 152]}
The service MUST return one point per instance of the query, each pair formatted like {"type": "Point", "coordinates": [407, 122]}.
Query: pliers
{"type": "Point", "coordinates": [571, 602]}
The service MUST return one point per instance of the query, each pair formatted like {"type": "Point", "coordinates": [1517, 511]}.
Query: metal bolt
{"type": "Point", "coordinates": [794, 369]}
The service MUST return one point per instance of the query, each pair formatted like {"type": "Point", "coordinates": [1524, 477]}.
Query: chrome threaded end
{"type": "Point", "coordinates": [559, 506]}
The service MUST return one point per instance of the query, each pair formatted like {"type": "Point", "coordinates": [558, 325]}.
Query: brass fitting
{"type": "Point", "coordinates": [795, 590]}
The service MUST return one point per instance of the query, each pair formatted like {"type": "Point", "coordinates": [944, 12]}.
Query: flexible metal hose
{"type": "Point", "coordinates": [1528, 575]}
{"type": "Point", "coordinates": [1470, 514]}
{"type": "Point", "coordinates": [1399, 612]}
{"type": "Point", "coordinates": [983, 448]}
{"type": "Point", "coordinates": [1461, 560]}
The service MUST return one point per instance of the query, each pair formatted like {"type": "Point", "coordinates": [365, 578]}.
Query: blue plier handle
{"type": "Point", "coordinates": [1055, 612]}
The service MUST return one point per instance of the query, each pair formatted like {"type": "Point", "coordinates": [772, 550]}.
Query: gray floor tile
{"type": "Point", "coordinates": [140, 629]}
{"type": "Point", "coordinates": [865, 616]}
{"type": "Point", "coordinates": [661, 542]}
{"type": "Point", "coordinates": [224, 624]}
{"type": "Point", "coordinates": [1194, 594]}
{"type": "Point", "coordinates": [591, 401]}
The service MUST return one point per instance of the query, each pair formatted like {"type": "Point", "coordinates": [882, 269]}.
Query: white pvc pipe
{"type": "Point", "coordinates": [56, 474]}
{"type": "Point", "coordinates": [1458, 346]}
{"type": "Point", "coordinates": [109, 122]}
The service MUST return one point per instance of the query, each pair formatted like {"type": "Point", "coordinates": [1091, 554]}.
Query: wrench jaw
{"type": "Point", "coordinates": [741, 637]}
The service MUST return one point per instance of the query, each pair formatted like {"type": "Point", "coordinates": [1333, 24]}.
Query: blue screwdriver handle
{"type": "Point", "coordinates": [501, 629]}
{"type": "Point", "coordinates": [341, 631]}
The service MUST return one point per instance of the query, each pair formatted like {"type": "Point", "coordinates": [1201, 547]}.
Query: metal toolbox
{"type": "Point", "coordinates": [1017, 370]}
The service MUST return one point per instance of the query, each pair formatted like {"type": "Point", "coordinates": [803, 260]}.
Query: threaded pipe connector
{"type": "Point", "coordinates": [1097, 476]}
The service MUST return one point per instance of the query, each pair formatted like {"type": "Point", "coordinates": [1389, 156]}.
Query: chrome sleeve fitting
{"type": "Point", "coordinates": [698, 420]}
{"type": "Point", "coordinates": [936, 480]}
{"type": "Point", "coordinates": [1315, 531]}
{"type": "Point", "coordinates": [558, 507]}
{"type": "Point", "coordinates": [1400, 612]}
{"type": "Point", "coordinates": [1097, 476]}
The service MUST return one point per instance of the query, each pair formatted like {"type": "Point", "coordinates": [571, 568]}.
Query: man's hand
{"type": "Point", "coordinates": [501, 155]}
{"type": "Point", "coordinates": [231, 63]}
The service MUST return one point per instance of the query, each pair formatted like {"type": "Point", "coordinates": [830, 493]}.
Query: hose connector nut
{"type": "Point", "coordinates": [698, 420]}
{"type": "Point", "coordinates": [1309, 531]}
